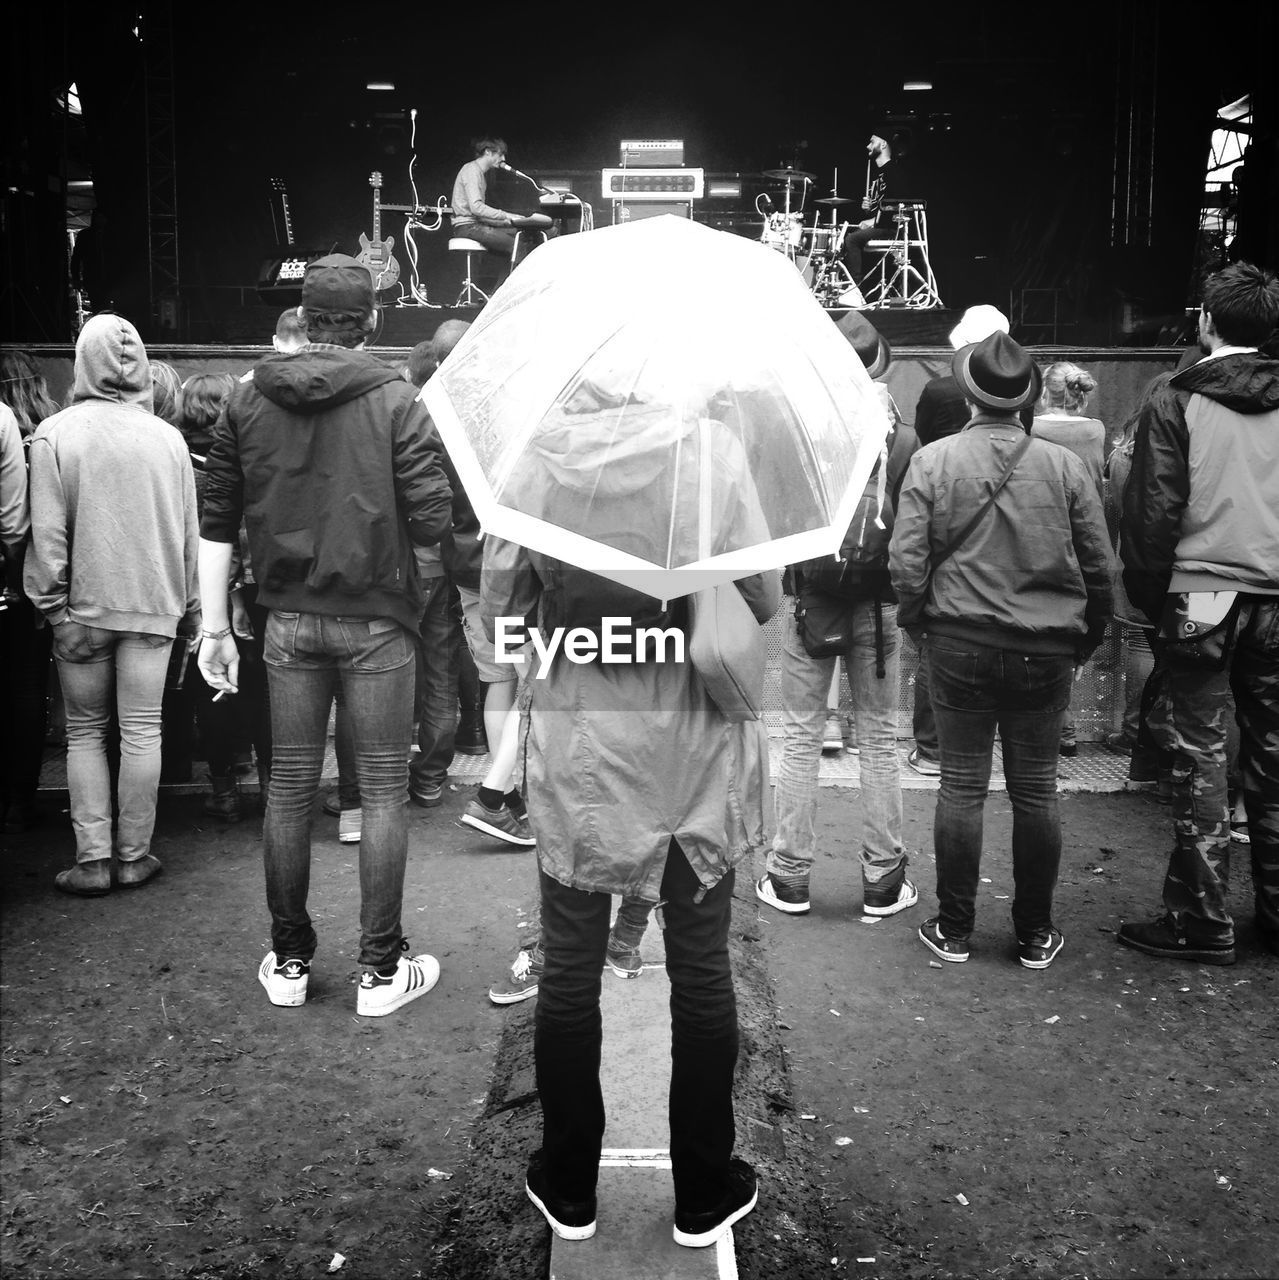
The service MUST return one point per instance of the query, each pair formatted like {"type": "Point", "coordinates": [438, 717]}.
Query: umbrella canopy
{"type": "Point", "coordinates": [660, 403]}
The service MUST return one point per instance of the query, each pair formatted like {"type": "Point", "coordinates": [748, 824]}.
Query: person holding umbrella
{"type": "Point", "coordinates": [622, 457]}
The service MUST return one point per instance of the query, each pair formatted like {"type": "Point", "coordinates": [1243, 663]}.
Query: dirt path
{"type": "Point", "coordinates": [160, 1118]}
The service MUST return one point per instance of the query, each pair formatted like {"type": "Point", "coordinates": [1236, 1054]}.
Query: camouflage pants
{"type": "Point", "coordinates": [1189, 719]}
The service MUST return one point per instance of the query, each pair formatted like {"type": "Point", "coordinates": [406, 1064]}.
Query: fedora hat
{"type": "Point", "coordinates": [996, 373]}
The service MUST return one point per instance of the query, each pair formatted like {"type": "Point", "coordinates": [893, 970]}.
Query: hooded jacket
{"type": "Point", "coordinates": [622, 758]}
{"type": "Point", "coordinates": [113, 519]}
{"type": "Point", "coordinates": [1201, 508]}
{"type": "Point", "coordinates": [337, 471]}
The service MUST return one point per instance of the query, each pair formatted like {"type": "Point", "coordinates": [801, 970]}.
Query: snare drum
{"type": "Point", "coordinates": [817, 240]}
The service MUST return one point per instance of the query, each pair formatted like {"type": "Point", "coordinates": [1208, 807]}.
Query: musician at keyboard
{"type": "Point", "coordinates": [478, 220]}
{"type": "Point", "coordinates": [885, 182]}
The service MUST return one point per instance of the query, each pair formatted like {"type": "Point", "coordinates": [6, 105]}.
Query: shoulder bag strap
{"type": "Point", "coordinates": [962, 536]}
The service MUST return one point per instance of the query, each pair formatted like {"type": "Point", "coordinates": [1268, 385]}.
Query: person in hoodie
{"type": "Point", "coordinates": [337, 471]}
{"type": "Point", "coordinates": [1201, 514]}
{"type": "Point", "coordinates": [112, 567]}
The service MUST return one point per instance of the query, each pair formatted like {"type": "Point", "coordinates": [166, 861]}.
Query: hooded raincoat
{"type": "Point", "coordinates": [623, 757]}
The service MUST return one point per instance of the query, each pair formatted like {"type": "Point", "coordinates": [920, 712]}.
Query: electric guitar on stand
{"type": "Point", "coordinates": [376, 254]}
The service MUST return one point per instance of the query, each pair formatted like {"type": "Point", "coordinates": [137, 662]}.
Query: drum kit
{"type": "Point", "coordinates": [816, 249]}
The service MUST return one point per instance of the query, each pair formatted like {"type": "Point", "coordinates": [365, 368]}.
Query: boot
{"type": "Point", "coordinates": [470, 739]}
{"type": "Point", "coordinates": [86, 879]}
{"type": "Point", "coordinates": [224, 803]}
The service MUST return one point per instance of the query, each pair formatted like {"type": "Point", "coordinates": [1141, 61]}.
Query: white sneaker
{"type": "Point", "coordinates": [833, 735]}
{"type": "Point", "coordinates": [414, 976]}
{"type": "Point", "coordinates": [285, 980]}
{"type": "Point", "coordinates": [349, 822]}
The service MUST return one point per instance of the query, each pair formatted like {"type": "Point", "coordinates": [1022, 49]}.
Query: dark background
{"type": "Point", "coordinates": [1059, 150]}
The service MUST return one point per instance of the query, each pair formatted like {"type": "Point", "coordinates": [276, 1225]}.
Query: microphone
{"type": "Point", "coordinates": [412, 113]}
{"type": "Point", "coordinates": [519, 173]}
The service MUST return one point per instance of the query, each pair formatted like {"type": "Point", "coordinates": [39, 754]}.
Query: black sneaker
{"type": "Point", "coordinates": [1162, 938]}
{"type": "Point", "coordinates": [1040, 949]}
{"type": "Point", "coordinates": [889, 896]}
{"type": "Point", "coordinates": [569, 1219]}
{"type": "Point", "coordinates": [790, 896]}
{"type": "Point", "coordinates": [942, 947]}
{"type": "Point", "coordinates": [697, 1230]}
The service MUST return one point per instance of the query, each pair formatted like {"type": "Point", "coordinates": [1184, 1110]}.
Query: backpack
{"type": "Point", "coordinates": [861, 570]}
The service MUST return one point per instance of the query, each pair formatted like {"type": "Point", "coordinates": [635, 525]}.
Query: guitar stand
{"type": "Point", "coordinates": [895, 281]}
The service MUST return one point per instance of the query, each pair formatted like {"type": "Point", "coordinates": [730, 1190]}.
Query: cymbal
{"type": "Point", "coordinates": [794, 175]}
{"type": "Point", "coordinates": [834, 200]}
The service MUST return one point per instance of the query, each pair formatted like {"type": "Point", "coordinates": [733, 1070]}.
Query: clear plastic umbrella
{"type": "Point", "coordinates": [660, 403]}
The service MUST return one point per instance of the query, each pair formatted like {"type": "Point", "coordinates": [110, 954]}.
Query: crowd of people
{"type": "Point", "coordinates": [224, 560]}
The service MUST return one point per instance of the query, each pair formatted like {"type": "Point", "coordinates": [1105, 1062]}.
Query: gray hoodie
{"type": "Point", "coordinates": [113, 517]}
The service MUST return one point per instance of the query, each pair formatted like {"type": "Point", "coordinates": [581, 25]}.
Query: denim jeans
{"type": "Point", "coordinates": [805, 683]}
{"type": "Point", "coordinates": [308, 657]}
{"type": "Point", "coordinates": [923, 721]}
{"type": "Point", "coordinates": [976, 691]}
{"type": "Point", "coordinates": [129, 667]}
{"type": "Point", "coordinates": [439, 658]}
{"type": "Point", "coordinates": [568, 1034]}
{"type": "Point", "coordinates": [1189, 719]}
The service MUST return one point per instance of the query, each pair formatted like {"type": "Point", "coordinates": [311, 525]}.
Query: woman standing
{"type": "Point", "coordinates": [1059, 417]}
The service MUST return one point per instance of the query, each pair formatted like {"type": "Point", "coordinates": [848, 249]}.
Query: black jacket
{"type": "Point", "coordinates": [338, 471]}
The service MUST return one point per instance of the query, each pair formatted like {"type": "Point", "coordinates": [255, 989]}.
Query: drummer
{"type": "Point", "coordinates": [474, 217]}
{"type": "Point", "coordinates": [884, 175]}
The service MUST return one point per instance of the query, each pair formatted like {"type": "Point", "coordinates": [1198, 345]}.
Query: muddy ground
{"type": "Point", "coordinates": [1112, 1116]}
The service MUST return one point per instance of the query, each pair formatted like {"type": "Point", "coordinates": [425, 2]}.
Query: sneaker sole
{"type": "Point", "coordinates": [564, 1232]}
{"type": "Point", "coordinates": [892, 909]}
{"type": "Point", "coordinates": [700, 1241]}
{"type": "Point", "coordinates": [790, 908]}
{"type": "Point", "coordinates": [1194, 954]}
{"type": "Point", "coordinates": [426, 802]}
{"type": "Point", "coordinates": [406, 997]}
{"type": "Point", "coordinates": [523, 842]}
{"type": "Point", "coordinates": [942, 955]}
{"type": "Point", "coordinates": [348, 839]}
{"type": "Point", "coordinates": [625, 973]}
{"type": "Point", "coordinates": [509, 997]}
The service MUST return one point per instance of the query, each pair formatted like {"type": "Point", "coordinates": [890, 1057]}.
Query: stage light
{"type": "Point", "coordinates": [380, 86]}
{"type": "Point", "coordinates": [916, 86]}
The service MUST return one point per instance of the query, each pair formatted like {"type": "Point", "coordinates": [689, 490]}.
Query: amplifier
{"type": "Point", "coordinates": [651, 151]}
{"type": "Point", "coordinates": [653, 184]}
{"type": "Point", "coordinates": [280, 279]}
{"type": "Point", "coordinates": [625, 211]}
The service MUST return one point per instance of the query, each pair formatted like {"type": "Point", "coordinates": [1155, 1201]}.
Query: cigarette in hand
{"type": "Point", "coordinates": [217, 697]}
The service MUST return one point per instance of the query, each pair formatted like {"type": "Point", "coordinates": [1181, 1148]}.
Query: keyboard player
{"type": "Point", "coordinates": [478, 220]}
